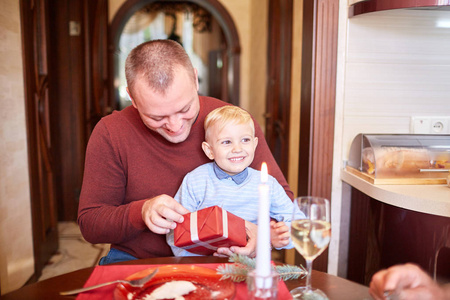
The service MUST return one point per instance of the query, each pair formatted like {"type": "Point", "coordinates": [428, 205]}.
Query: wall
{"type": "Point", "coordinates": [392, 65]}
{"type": "Point", "coordinates": [16, 244]}
{"type": "Point", "coordinates": [256, 78]}
{"type": "Point", "coordinates": [398, 66]}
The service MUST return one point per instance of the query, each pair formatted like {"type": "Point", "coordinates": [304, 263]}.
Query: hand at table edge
{"type": "Point", "coordinates": [407, 281]}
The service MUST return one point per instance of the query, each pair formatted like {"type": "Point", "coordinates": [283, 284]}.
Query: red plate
{"type": "Point", "coordinates": [207, 281]}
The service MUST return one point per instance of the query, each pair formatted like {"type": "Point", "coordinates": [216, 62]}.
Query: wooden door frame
{"type": "Point", "coordinates": [79, 88]}
{"type": "Point", "coordinates": [318, 96]}
{"type": "Point", "coordinates": [95, 22]}
{"type": "Point", "coordinates": [35, 36]}
{"type": "Point", "coordinates": [278, 90]}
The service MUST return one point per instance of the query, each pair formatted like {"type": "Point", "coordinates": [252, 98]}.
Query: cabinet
{"type": "Point", "coordinates": [362, 7]}
{"type": "Point", "coordinates": [383, 235]}
{"type": "Point", "coordinates": [394, 224]}
{"type": "Point", "coordinates": [351, 2]}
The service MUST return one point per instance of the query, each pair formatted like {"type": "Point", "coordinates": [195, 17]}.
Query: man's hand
{"type": "Point", "coordinates": [279, 234]}
{"type": "Point", "coordinates": [404, 282]}
{"type": "Point", "coordinates": [161, 214]}
{"type": "Point", "coordinates": [249, 250]}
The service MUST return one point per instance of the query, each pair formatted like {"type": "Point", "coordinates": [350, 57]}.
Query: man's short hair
{"type": "Point", "coordinates": [225, 115]}
{"type": "Point", "coordinates": [156, 62]}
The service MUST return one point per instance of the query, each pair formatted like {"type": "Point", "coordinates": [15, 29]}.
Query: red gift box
{"type": "Point", "coordinates": [203, 231]}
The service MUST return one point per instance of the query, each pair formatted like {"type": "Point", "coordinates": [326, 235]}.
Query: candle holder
{"type": "Point", "coordinates": [262, 287]}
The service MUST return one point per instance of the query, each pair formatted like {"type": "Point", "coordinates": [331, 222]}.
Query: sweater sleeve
{"type": "Point", "coordinates": [185, 196]}
{"type": "Point", "coordinates": [282, 208]}
{"type": "Point", "coordinates": [103, 215]}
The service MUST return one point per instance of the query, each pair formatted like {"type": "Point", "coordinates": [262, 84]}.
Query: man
{"type": "Point", "coordinates": [136, 158]}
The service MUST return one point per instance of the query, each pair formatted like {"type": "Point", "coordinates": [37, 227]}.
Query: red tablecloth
{"type": "Point", "coordinates": [114, 272]}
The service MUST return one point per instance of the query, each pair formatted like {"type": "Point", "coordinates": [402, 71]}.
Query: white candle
{"type": "Point", "coordinates": [263, 238]}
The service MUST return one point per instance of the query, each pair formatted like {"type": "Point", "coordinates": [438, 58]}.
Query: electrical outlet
{"type": "Point", "coordinates": [439, 125]}
{"type": "Point", "coordinates": [430, 125]}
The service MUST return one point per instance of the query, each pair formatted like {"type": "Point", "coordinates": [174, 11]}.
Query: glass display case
{"type": "Point", "coordinates": [400, 158]}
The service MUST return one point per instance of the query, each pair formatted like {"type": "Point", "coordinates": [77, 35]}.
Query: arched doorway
{"type": "Point", "coordinates": [229, 63]}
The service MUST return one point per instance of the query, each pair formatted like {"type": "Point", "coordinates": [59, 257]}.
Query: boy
{"type": "Point", "coordinates": [229, 182]}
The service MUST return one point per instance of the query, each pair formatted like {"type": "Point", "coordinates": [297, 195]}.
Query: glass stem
{"type": "Point", "coordinates": [308, 277]}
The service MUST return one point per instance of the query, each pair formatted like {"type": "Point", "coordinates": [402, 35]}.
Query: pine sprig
{"type": "Point", "coordinates": [243, 259]}
{"type": "Point", "coordinates": [289, 272]}
{"type": "Point", "coordinates": [238, 271]}
{"type": "Point", "coordinates": [235, 272]}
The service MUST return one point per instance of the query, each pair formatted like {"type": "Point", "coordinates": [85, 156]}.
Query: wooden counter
{"type": "Point", "coordinates": [429, 199]}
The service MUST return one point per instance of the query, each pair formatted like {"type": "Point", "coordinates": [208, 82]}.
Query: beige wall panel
{"type": "Point", "coordinates": [16, 243]}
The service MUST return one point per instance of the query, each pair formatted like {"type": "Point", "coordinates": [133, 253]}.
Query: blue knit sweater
{"type": "Point", "coordinates": [202, 188]}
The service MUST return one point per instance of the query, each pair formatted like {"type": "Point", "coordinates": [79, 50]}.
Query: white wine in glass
{"type": "Point", "coordinates": [311, 236]}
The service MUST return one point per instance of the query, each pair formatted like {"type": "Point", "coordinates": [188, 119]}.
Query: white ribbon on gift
{"type": "Point", "coordinates": [207, 244]}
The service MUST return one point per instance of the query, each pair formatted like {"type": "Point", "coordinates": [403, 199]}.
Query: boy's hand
{"type": "Point", "coordinates": [279, 234]}
{"type": "Point", "coordinates": [249, 250]}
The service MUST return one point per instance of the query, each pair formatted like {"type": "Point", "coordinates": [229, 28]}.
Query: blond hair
{"type": "Point", "coordinates": [226, 115]}
{"type": "Point", "coordinates": [156, 62]}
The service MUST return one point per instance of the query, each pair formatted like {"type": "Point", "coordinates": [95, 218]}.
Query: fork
{"type": "Point", "coordinates": [135, 283]}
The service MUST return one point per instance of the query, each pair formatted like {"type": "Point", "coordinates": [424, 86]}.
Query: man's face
{"type": "Point", "coordinates": [232, 148]}
{"type": "Point", "coordinates": [171, 114]}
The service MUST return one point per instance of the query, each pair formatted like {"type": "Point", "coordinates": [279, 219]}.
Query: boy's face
{"type": "Point", "coordinates": [233, 147]}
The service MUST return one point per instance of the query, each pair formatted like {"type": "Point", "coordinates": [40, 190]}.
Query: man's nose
{"type": "Point", "coordinates": [174, 124]}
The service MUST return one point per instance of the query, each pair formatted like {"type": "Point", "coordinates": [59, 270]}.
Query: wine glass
{"type": "Point", "coordinates": [310, 232]}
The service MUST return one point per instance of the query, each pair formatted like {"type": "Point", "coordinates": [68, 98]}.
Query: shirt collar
{"type": "Point", "coordinates": [238, 178]}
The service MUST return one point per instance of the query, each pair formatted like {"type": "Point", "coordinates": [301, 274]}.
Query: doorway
{"type": "Point", "coordinates": [203, 27]}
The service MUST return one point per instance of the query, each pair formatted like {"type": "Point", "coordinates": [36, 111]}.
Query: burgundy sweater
{"type": "Point", "coordinates": [127, 163]}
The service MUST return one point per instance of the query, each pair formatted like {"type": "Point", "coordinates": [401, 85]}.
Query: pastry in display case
{"type": "Point", "coordinates": [400, 158]}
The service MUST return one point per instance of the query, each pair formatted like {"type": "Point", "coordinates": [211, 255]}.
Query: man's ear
{"type": "Point", "coordinates": [132, 101]}
{"type": "Point", "coordinates": [208, 151]}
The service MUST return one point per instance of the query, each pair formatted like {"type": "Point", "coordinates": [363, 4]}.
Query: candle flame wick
{"type": "Point", "coordinates": [264, 173]}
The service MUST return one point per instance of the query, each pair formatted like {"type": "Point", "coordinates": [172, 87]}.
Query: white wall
{"type": "Point", "coordinates": [392, 65]}
{"type": "Point", "coordinates": [16, 244]}
{"type": "Point", "coordinates": [398, 66]}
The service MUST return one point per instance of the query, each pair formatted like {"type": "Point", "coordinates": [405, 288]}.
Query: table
{"type": "Point", "coordinates": [335, 287]}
